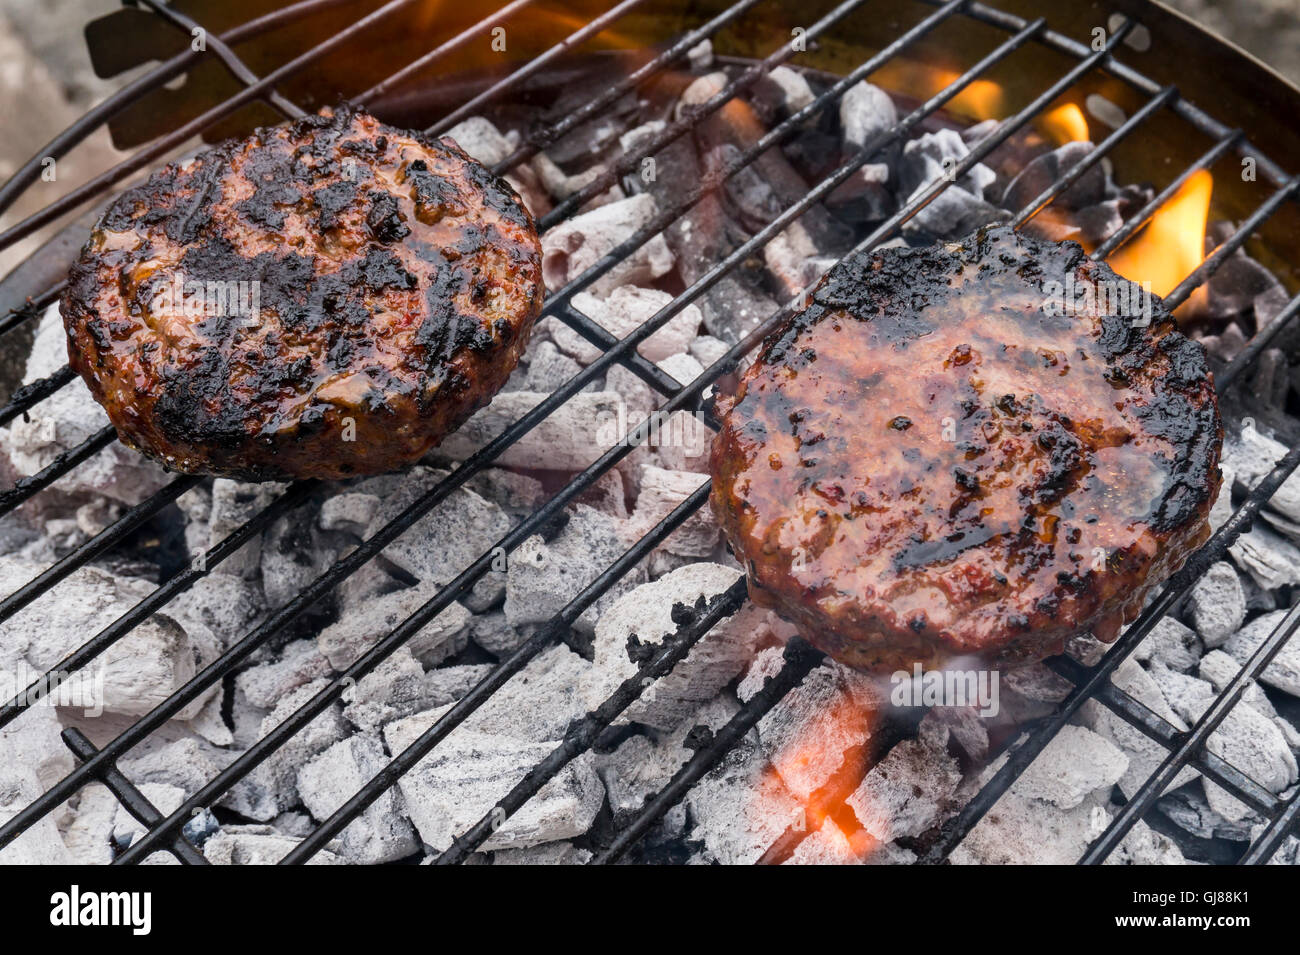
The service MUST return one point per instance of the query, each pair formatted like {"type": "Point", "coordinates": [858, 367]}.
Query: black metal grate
{"type": "Point", "coordinates": [164, 833]}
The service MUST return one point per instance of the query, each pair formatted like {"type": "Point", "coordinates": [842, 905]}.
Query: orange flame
{"type": "Point", "coordinates": [1173, 242]}
{"type": "Point", "coordinates": [980, 100]}
{"type": "Point", "coordinates": [1065, 124]}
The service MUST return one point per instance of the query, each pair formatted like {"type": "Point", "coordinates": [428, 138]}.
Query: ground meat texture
{"type": "Point", "coordinates": [323, 299]}
{"type": "Point", "coordinates": [935, 460]}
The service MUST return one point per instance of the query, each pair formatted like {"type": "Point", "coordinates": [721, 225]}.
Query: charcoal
{"type": "Point", "coordinates": [865, 196]}
{"type": "Point", "coordinates": [234, 504]}
{"type": "Point", "coordinates": [780, 93]}
{"type": "Point", "coordinates": [544, 576]}
{"type": "Point", "coordinates": [740, 807]}
{"type": "Point", "coordinates": [576, 244]}
{"type": "Point", "coordinates": [88, 834]}
{"type": "Point", "coordinates": [550, 853]}
{"type": "Point", "coordinates": [363, 625]}
{"type": "Point", "coordinates": [929, 158]}
{"type": "Point", "coordinates": [300, 662]}
{"type": "Point", "coordinates": [708, 349]}
{"type": "Point", "coordinates": [910, 789]}
{"type": "Point", "coordinates": [1076, 763]}
{"type": "Point", "coordinates": [549, 369]}
{"type": "Point", "coordinates": [349, 512]}
{"type": "Point", "coordinates": [258, 845]}
{"type": "Point", "coordinates": [628, 307]}
{"type": "Point", "coordinates": [816, 727]}
{"type": "Point", "coordinates": [828, 845]}
{"type": "Point", "coordinates": [381, 833]}
{"type": "Point", "coordinates": [458, 783]}
{"type": "Point", "coordinates": [1283, 673]}
{"type": "Point", "coordinates": [481, 140]}
{"type": "Point", "coordinates": [1188, 809]}
{"type": "Point", "coordinates": [1218, 605]}
{"type": "Point", "coordinates": [400, 687]}
{"type": "Point", "coordinates": [1145, 754]}
{"type": "Point", "coordinates": [66, 419]}
{"type": "Point", "coordinates": [132, 676]}
{"type": "Point", "coordinates": [1269, 558]}
{"type": "Point", "coordinates": [1172, 644]}
{"type": "Point", "coordinates": [866, 111]}
{"type": "Point", "coordinates": [39, 844]}
{"type": "Point", "coordinates": [646, 614]}
{"type": "Point", "coordinates": [126, 829]}
{"type": "Point", "coordinates": [1088, 191]}
{"type": "Point", "coordinates": [663, 490]}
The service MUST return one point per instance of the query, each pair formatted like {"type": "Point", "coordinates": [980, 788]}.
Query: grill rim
{"type": "Point", "coordinates": [1088, 682]}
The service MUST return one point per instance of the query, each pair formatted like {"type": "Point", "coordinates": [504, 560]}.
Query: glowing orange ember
{"type": "Point", "coordinates": [1065, 124]}
{"type": "Point", "coordinates": [1173, 242]}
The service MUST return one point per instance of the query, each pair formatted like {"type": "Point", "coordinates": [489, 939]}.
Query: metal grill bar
{"type": "Point", "coordinates": [1274, 834]}
{"type": "Point", "coordinates": [1192, 743]}
{"type": "Point", "coordinates": [616, 352]}
{"type": "Point", "coordinates": [227, 56]}
{"type": "Point", "coordinates": [26, 487]}
{"type": "Point", "coordinates": [1077, 171]}
{"type": "Point", "coordinates": [956, 829]}
{"type": "Point", "coordinates": [29, 394]}
{"type": "Point", "coordinates": [131, 798]}
{"type": "Point", "coordinates": [105, 540]}
{"type": "Point", "coordinates": [139, 160]}
{"type": "Point", "coordinates": [123, 625]}
{"type": "Point", "coordinates": [1141, 717]}
{"type": "Point", "coordinates": [1143, 216]}
{"type": "Point", "coordinates": [159, 75]}
{"type": "Point", "coordinates": [572, 41]}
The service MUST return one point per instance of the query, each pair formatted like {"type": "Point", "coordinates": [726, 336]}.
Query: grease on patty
{"type": "Point", "coordinates": [323, 299]}
{"type": "Point", "coordinates": [932, 460]}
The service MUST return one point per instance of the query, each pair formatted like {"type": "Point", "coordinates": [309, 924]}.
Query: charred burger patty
{"type": "Point", "coordinates": [323, 299]}
{"type": "Point", "coordinates": [967, 450]}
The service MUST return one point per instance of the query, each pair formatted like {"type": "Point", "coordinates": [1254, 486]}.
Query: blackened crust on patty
{"type": "Point", "coordinates": [323, 299]}
{"type": "Point", "coordinates": [943, 455]}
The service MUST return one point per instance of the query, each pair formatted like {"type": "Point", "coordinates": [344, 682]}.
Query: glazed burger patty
{"type": "Point", "coordinates": [945, 455]}
{"type": "Point", "coordinates": [323, 299]}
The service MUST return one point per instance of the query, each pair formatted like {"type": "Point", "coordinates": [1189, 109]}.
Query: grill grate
{"type": "Point", "coordinates": [165, 833]}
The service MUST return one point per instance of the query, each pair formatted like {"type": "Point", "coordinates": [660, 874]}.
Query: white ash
{"type": "Point", "coordinates": [350, 512]}
{"type": "Point", "coordinates": [910, 790]}
{"type": "Point", "coordinates": [642, 619]}
{"type": "Point", "coordinates": [1252, 455]}
{"type": "Point", "coordinates": [458, 783]}
{"type": "Point", "coordinates": [365, 623]}
{"type": "Point", "coordinates": [740, 807]}
{"type": "Point", "coordinates": [40, 844]}
{"type": "Point", "coordinates": [1075, 763]}
{"type": "Point", "coordinates": [1172, 644]}
{"type": "Point", "coordinates": [627, 307]}
{"type": "Point", "coordinates": [137, 672]}
{"type": "Point", "coordinates": [544, 576]}
{"type": "Point", "coordinates": [494, 632]}
{"type": "Point", "coordinates": [66, 419]}
{"type": "Point", "coordinates": [126, 829]}
{"type": "Point", "coordinates": [1218, 604]}
{"type": "Point", "coordinates": [516, 494]}
{"type": "Point", "coordinates": [816, 728]}
{"type": "Point", "coordinates": [300, 663]}
{"type": "Point", "coordinates": [549, 369]}
{"type": "Point", "coordinates": [272, 787]}
{"type": "Point", "coordinates": [259, 845]}
{"type": "Point", "coordinates": [1219, 669]}
{"type": "Point", "coordinates": [1269, 558]}
{"type": "Point", "coordinates": [780, 93]}
{"type": "Point", "coordinates": [400, 686]}
{"type": "Point", "coordinates": [234, 504]}
{"type": "Point", "coordinates": [866, 111]}
{"type": "Point", "coordinates": [1283, 672]}
{"type": "Point", "coordinates": [570, 438]}
{"type": "Point", "coordinates": [381, 833]}
{"type": "Point", "coordinates": [227, 605]}
{"type": "Point", "coordinates": [827, 845]}
{"type": "Point", "coordinates": [576, 244]}
{"type": "Point", "coordinates": [661, 492]}
{"type": "Point", "coordinates": [1145, 754]}
{"type": "Point", "coordinates": [607, 495]}
{"type": "Point", "coordinates": [447, 539]}
{"type": "Point", "coordinates": [88, 830]}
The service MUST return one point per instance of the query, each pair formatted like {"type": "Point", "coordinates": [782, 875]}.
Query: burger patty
{"type": "Point", "coordinates": [967, 449]}
{"type": "Point", "coordinates": [323, 299]}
